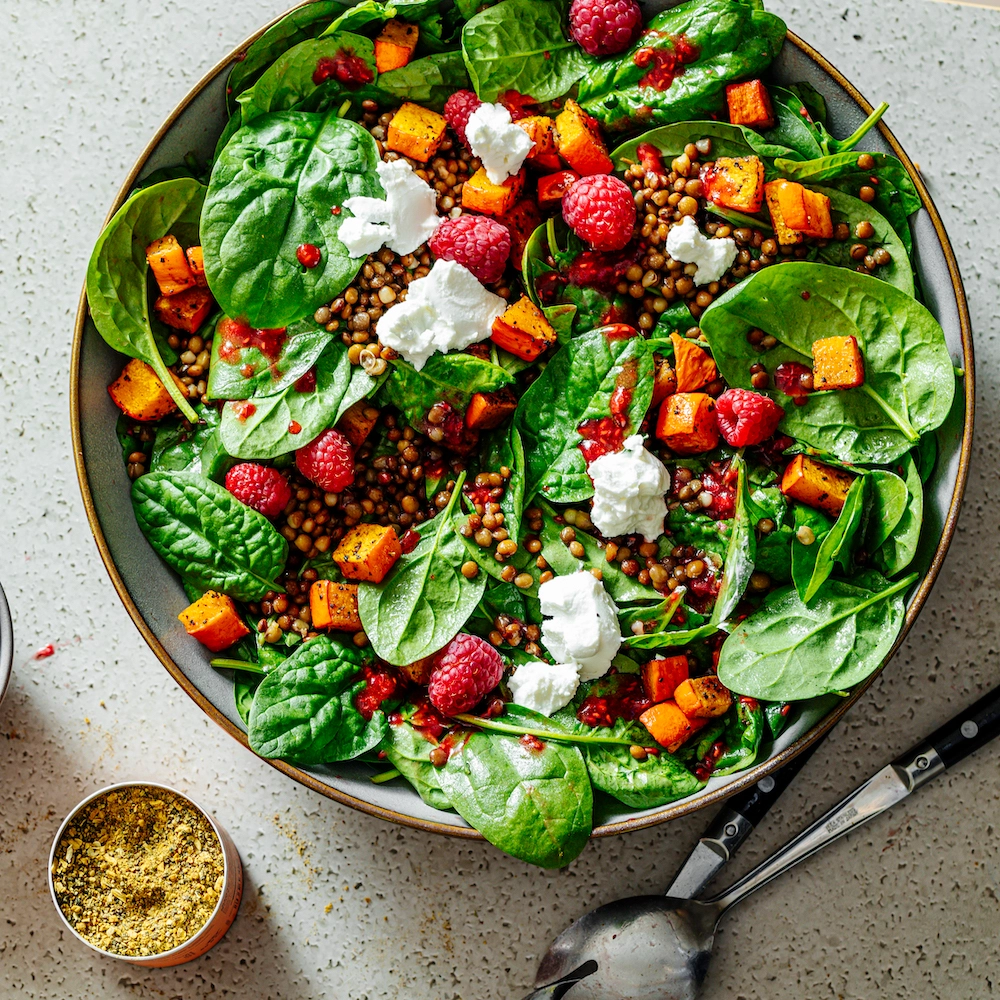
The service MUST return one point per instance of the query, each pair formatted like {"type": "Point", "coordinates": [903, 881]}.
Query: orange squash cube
{"type": "Point", "coordinates": [750, 104]}
{"type": "Point", "coordinates": [784, 198]}
{"type": "Point", "coordinates": [214, 621]}
{"type": "Point", "coordinates": [661, 677]}
{"type": "Point", "coordinates": [669, 726]}
{"type": "Point", "coordinates": [837, 363]}
{"type": "Point", "coordinates": [703, 697]}
{"type": "Point", "coordinates": [664, 380]}
{"type": "Point", "coordinates": [416, 132]}
{"type": "Point", "coordinates": [334, 605]}
{"type": "Point", "coordinates": [819, 220]}
{"type": "Point", "coordinates": [693, 366]}
{"type": "Point", "coordinates": [480, 194]}
{"type": "Point", "coordinates": [521, 221]}
{"type": "Point", "coordinates": [196, 261]}
{"type": "Point", "coordinates": [357, 422]}
{"type": "Point", "coordinates": [186, 310]}
{"type": "Point", "coordinates": [487, 410]}
{"type": "Point", "coordinates": [169, 265]}
{"type": "Point", "coordinates": [579, 142]}
{"type": "Point", "coordinates": [367, 552]}
{"type": "Point", "coordinates": [816, 484]}
{"type": "Point", "coordinates": [542, 131]}
{"type": "Point", "coordinates": [735, 182]}
{"type": "Point", "coordinates": [395, 45]}
{"type": "Point", "coordinates": [552, 187]}
{"type": "Point", "coordinates": [523, 330]}
{"type": "Point", "coordinates": [139, 393]}
{"type": "Point", "coordinates": [686, 423]}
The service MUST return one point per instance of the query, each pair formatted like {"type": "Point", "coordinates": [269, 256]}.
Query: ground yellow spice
{"type": "Point", "coordinates": [138, 871]}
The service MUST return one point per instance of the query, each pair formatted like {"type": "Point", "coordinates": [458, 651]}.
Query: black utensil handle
{"type": "Point", "coordinates": [968, 731]}
{"type": "Point", "coordinates": [754, 803]}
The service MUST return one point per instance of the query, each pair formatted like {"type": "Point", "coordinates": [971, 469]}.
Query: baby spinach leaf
{"type": "Point", "coordinates": [792, 128]}
{"type": "Point", "coordinates": [788, 651]}
{"type": "Point", "coordinates": [264, 427]}
{"type": "Point", "coordinates": [727, 140]}
{"type": "Point", "coordinates": [925, 455]}
{"type": "Point", "coordinates": [117, 287]}
{"type": "Point", "coordinates": [774, 549]}
{"type": "Point", "coordinates": [272, 190]}
{"type": "Point", "coordinates": [203, 533]}
{"type": "Point", "coordinates": [244, 686]}
{"type": "Point", "coordinates": [181, 447]}
{"type": "Point", "coordinates": [889, 500]}
{"type": "Point", "coordinates": [425, 600]}
{"type": "Point", "coordinates": [909, 379]}
{"type": "Point", "coordinates": [738, 566]}
{"type": "Point", "coordinates": [900, 547]}
{"type": "Point", "coordinates": [575, 386]}
{"type": "Point", "coordinates": [245, 372]}
{"type": "Point", "coordinates": [409, 752]}
{"type": "Point", "coordinates": [428, 81]}
{"type": "Point", "coordinates": [521, 45]}
{"type": "Point", "coordinates": [732, 39]}
{"type": "Point", "coordinates": [777, 714]}
{"type": "Point", "coordinates": [743, 731]}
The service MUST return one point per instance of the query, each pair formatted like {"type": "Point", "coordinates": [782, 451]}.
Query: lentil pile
{"type": "Point", "coordinates": [139, 871]}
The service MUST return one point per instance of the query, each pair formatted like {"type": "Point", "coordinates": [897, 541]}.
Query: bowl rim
{"type": "Point", "coordinates": [6, 644]}
{"type": "Point", "coordinates": [672, 810]}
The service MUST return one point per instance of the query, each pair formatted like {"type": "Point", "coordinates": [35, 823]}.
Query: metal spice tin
{"type": "Point", "coordinates": [222, 917]}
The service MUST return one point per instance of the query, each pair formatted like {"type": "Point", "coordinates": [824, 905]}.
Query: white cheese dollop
{"type": "Point", "coordinates": [581, 623]}
{"type": "Point", "coordinates": [445, 311]}
{"type": "Point", "coordinates": [402, 222]}
{"type": "Point", "coordinates": [714, 256]}
{"type": "Point", "coordinates": [497, 141]}
{"type": "Point", "coordinates": [628, 491]}
{"type": "Point", "coordinates": [544, 687]}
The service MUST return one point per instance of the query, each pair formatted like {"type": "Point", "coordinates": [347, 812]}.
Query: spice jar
{"type": "Point", "coordinates": [140, 872]}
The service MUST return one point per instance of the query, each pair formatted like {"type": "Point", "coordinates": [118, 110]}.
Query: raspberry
{"type": "Point", "coordinates": [464, 671]}
{"type": "Point", "coordinates": [474, 241]}
{"type": "Point", "coordinates": [746, 417]}
{"type": "Point", "coordinates": [600, 210]}
{"type": "Point", "coordinates": [457, 111]}
{"type": "Point", "coordinates": [259, 486]}
{"type": "Point", "coordinates": [328, 461]}
{"type": "Point", "coordinates": [604, 27]}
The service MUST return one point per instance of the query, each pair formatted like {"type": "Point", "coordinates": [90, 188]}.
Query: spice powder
{"type": "Point", "coordinates": [138, 871]}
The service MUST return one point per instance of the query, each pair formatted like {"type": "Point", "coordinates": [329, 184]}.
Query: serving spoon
{"type": "Point", "coordinates": [659, 947]}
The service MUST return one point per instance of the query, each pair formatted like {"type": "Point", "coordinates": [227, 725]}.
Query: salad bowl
{"type": "Point", "coordinates": [154, 597]}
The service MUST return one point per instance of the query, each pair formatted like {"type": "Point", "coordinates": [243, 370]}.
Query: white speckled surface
{"type": "Point", "coordinates": [340, 905]}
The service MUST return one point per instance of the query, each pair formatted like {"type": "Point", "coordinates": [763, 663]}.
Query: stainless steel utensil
{"type": "Point", "coordinates": [659, 947]}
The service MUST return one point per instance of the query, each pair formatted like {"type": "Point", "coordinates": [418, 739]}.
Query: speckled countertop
{"type": "Point", "coordinates": [340, 905]}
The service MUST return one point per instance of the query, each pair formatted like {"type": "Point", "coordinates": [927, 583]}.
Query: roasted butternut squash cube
{"type": "Point", "coordinates": [750, 104]}
{"type": "Point", "coordinates": [487, 410]}
{"type": "Point", "coordinates": [785, 198]}
{"type": "Point", "coordinates": [523, 330]}
{"type": "Point", "coordinates": [735, 182]}
{"type": "Point", "coordinates": [837, 363]}
{"type": "Point", "coordinates": [664, 380]}
{"type": "Point", "coordinates": [480, 194]}
{"type": "Point", "coordinates": [186, 310]}
{"type": "Point", "coordinates": [703, 697]}
{"type": "Point", "coordinates": [196, 261]}
{"type": "Point", "coordinates": [139, 393]}
{"type": "Point", "coordinates": [552, 187]}
{"type": "Point", "coordinates": [416, 132]}
{"type": "Point", "coordinates": [819, 220]}
{"type": "Point", "coordinates": [686, 423]}
{"type": "Point", "coordinates": [693, 366]}
{"type": "Point", "coordinates": [816, 484]}
{"type": "Point", "coordinates": [542, 131]}
{"type": "Point", "coordinates": [521, 221]}
{"type": "Point", "coordinates": [579, 142]}
{"type": "Point", "coordinates": [661, 677]}
{"type": "Point", "coordinates": [367, 552]}
{"type": "Point", "coordinates": [395, 45]}
{"type": "Point", "coordinates": [669, 726]}
{"type": "Point", "coordinates": [169, 265]}
{"type": "Point", "coordinates": [214, 621]}
{"type": "Point", "coordinates": [357, 422]}
{"type": "Point", "coordinates": [334, 605]}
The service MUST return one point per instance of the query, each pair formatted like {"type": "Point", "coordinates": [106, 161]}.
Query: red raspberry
{"type": "Point", "coordinates": [464, 671]}
{"type": "Point", "coordinates": [474, 241]}
{"type": "Point", "coordinates": [259, 486]}
{"type": "Point", "coordinates": [600, 210]}
{"type": "Point", "coordinates": [457, 111]}
{"type": "Point", "coordinates": [746, 417]}
{"type": "Point", "coordinates": [604, 27]}
{"type": "Point", "coordinates": [328, 461]}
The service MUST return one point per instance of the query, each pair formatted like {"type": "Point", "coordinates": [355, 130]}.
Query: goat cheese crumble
{"type": "Point", "coordinates": [628, 491]}
{"type": "Point", "coordinates": [714, 256]}
{"type": "Point", "coordinates": [497, 141]}
{"type": "Point", "coordinates": [544, 687]}
{"type": "Point", "coordinates": [581, 623]}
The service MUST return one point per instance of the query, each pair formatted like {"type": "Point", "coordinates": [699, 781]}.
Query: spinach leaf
{"type": "Point", "coordinates": [535, 804]}
{"type": "Point", "coordinates": [889, 500]}
{"type": "Point", "coordinates": [409, 752]}
{"type": "Point", "coordinates": [521, 45]}
{"type": "Point", "coordinates": [203, 533]}
{"type": "Point", "coordinates": [429, 81]}
{"type": "Point", "coordinates": [117, 289]}
{"type": "Point", "coordinates": [742, 733]}
{"type": "Point", "coordinates": [244, 686]}
{"type": "Point", "coordinates": [741, 552]}
{"type": "Point", "coordinates": [727, 140]}
{"type": "Point", "coordinates": [425, 600]}
{"type": "Point", "coordinates": [925, 455]}
{"type": "Point", "coordinates": [774, 549]}
{"type": "Point", "coordinates": [272, 190]}
{"type": "Point", "coordinates": [777, 714]}
{"type": "Point", "coordinates": [730, 39]}
{"type": "Point", "coordinates": [909, 379]}
{"type": "Point", "coordinates": [788, 651]}
{"type": "Point", "coordinates": [243, 372]}
{"type": "Point", "coordinates": [263, 428]}
{"type": "Point", "coordinates": [792, 128]}
{"type": "Point", "coordinates": [812, 564]}
{"type": "Point", "coordinates": [181, 447]}
{"type": "Point", "coordinates": [577, 385]}
{"type": "Point", "coordinates": [900, 547]}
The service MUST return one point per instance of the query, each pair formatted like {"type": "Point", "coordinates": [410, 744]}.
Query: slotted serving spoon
{"type": "Point", "coordinates": [659, 947]}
